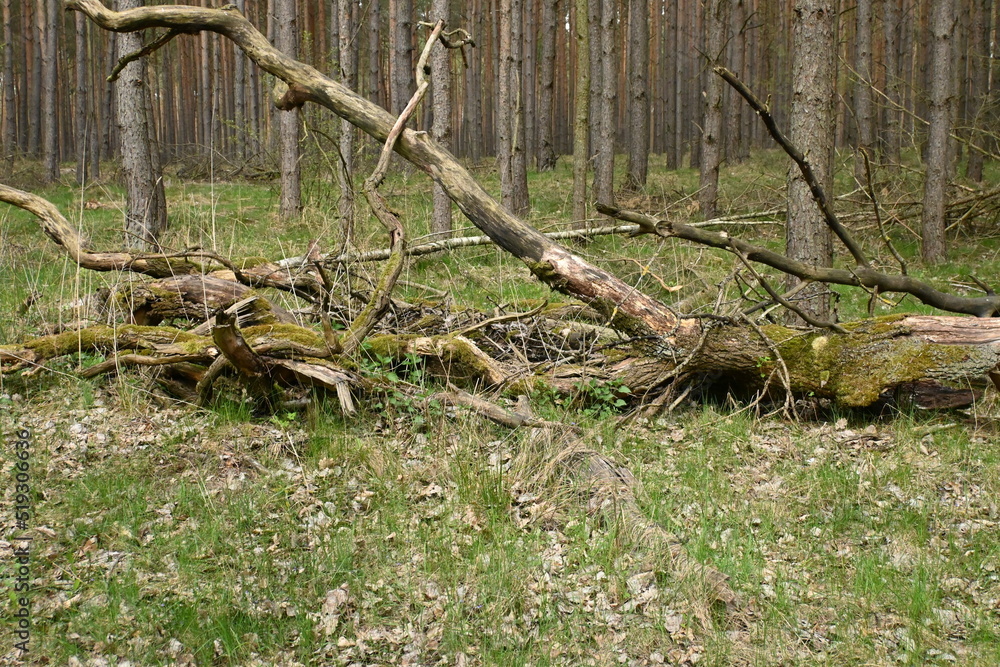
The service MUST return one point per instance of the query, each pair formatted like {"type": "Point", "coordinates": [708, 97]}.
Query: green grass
{"type": "Point", "coordinates": [213, 536]}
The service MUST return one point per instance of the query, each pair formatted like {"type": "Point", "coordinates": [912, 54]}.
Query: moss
{"type": "Point", "coordinates": [129, 336]}
{"type": "Point", "coordinates": [545, 272]}
{"type": "Point", "coordinates": [391, 346]}
{"type": "Point", "coordinates": [290, 332]}
{"type": "Point", "coordinates": [856, 368]}
{"type": "Point", "coordinates": [246, 263]}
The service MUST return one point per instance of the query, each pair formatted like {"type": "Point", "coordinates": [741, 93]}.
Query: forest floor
{"type": "Point", "coordinates": [163, 533]}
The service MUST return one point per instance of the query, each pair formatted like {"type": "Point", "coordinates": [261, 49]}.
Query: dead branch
{"type": "Point", "coordinates": [860, 276]}
{"type": "Point", "coordinates": [380, 299]}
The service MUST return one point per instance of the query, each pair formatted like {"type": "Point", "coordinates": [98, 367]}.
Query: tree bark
{"type": "Point", "coordinates": [716, 13]}
{"type": "Point", "coordinates": [82, 99]}
{"type": "Point", "coordinates": [441, 130]}
{"type": "Point", "coordinates": [9, 130]}
{"type": "Point", "coordinates": [518, 145]}
{"type": "Point", "coordinates": [638, 82]}
{"type": "Point", "coordinates": [348, 47]}
{"type": "Point", "coordinates": [863, 83]}
{"type": "Point", "coordinates": [50, 124]}
{"type": "Point", "coordinates": [604, 142]}
{"type": "Point", "coordinates": [979, 64]}
{"type": "Point", "coordinates": [401, 45]}
{"type": "Point", "coordinates": [286, 40]}
{"type": "Point", "coordinates": [581, 117]}
{"type": "Point", "coordinates": [736, 143]}
{"type": "Point", "coordinates": [240, 94]}
{"type": "Point", "coordinates": [812, 130]}
{"type": "Point", "coordinates": [511, 157]}
{"type": "Point", "coordinates": [546, 159]}
{"type": "Point", "coordinates": [374, 88]}
{"type": "Point", "coordinates": [891, 118]}
{"type": "Point", "coordinates": [146, 208]}
{"type": "Point", "coordinates": [942, 100]}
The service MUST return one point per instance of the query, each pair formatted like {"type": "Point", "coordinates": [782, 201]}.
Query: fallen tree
{"type": "Point", "coordinates": [672, 346]}
{"type": "Point", "coordinates": [645, 350]}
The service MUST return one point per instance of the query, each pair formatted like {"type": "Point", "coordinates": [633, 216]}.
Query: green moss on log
{"type": "Point", "coordinates": [855, 368]}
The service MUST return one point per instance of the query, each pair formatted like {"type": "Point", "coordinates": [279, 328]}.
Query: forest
{"type": "Point", "coordinates": [502, 332]}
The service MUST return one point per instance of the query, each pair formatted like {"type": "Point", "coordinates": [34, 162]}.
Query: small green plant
{"type": "Point", "coordinates": [761, 363]}
{"type": "Point", "coordinates": [284, 421]}
{"type": "Point", "coordinates": [602, 398]}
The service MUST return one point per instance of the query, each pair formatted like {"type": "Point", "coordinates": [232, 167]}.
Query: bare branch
{"type": "Point", "coordinates": [807, 173]}
{"type": "Point", "coordinates": [860, 276]}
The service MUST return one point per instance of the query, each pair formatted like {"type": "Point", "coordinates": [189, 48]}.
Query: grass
{"type": "Point", "coordinates": [173, 535]}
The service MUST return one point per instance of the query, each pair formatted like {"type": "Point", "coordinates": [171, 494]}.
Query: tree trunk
{"type": "Point", "coordinates": [401, 45]}
{"type": "Point", "coordinates": [979, 64]}
{"type": "Point", "coordinates": [511, 158]}
{"type": "Point", "coordinates": [374, 87]}
{"type": "Point", "coordinates": [518, 145]}
{"type": "Point", "coordinates": [942, 99]}
{"type": "Point", "coordinates": [473, 122]}
{"type": "Point", "coordinates": [812, 130]}
{"type": "Point", "coordinates": [604, 143]}
{"type": "Point", "coordinates": [891, 118]}
{"type": "Point", "coordinates": [286, 41]}
{"type": "Point", "coordinates": [863, 85]}
{"type": "Point", "coordinates": [9, 130]}
{"type": "Point", "coordinates": [716, 13]}
{"type": "Point", "coordinates": [581, 119]}
{"type": "Point", "coordinates": [441, 130]}
{"type": "Point", "coordinates": [503, 105]}
{"type": "Point", "coordinates": [546, 143]}
{"type": "Point", "coordinates": [348, 50]}
{"type": "Point", "coordinates": [50, 124]}
{"type": "Point", "coordinates": [736, 143]}
{"type": "Point", "coordinates": [240, 95]}
{"type": "Point", "coordinates": [596, 73]}
{"type": "Point", "coordinates": [82, 101]}
{"type": "Point", "coordinates": [146, 211]}
{"type": "Point", "coordinates": [33, 73]}
{"type": "Point", "coordinates": [638, 82]}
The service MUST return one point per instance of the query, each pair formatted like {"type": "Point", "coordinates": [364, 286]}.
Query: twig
{"type": "Point", "coordinates": [870, 191]}
{"type": "Point", "coordinates": [501, 318]}
{"type": "Point", "coordinates": [812, 321]}
{"type": "Point", "coordinates": [124, 61]}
